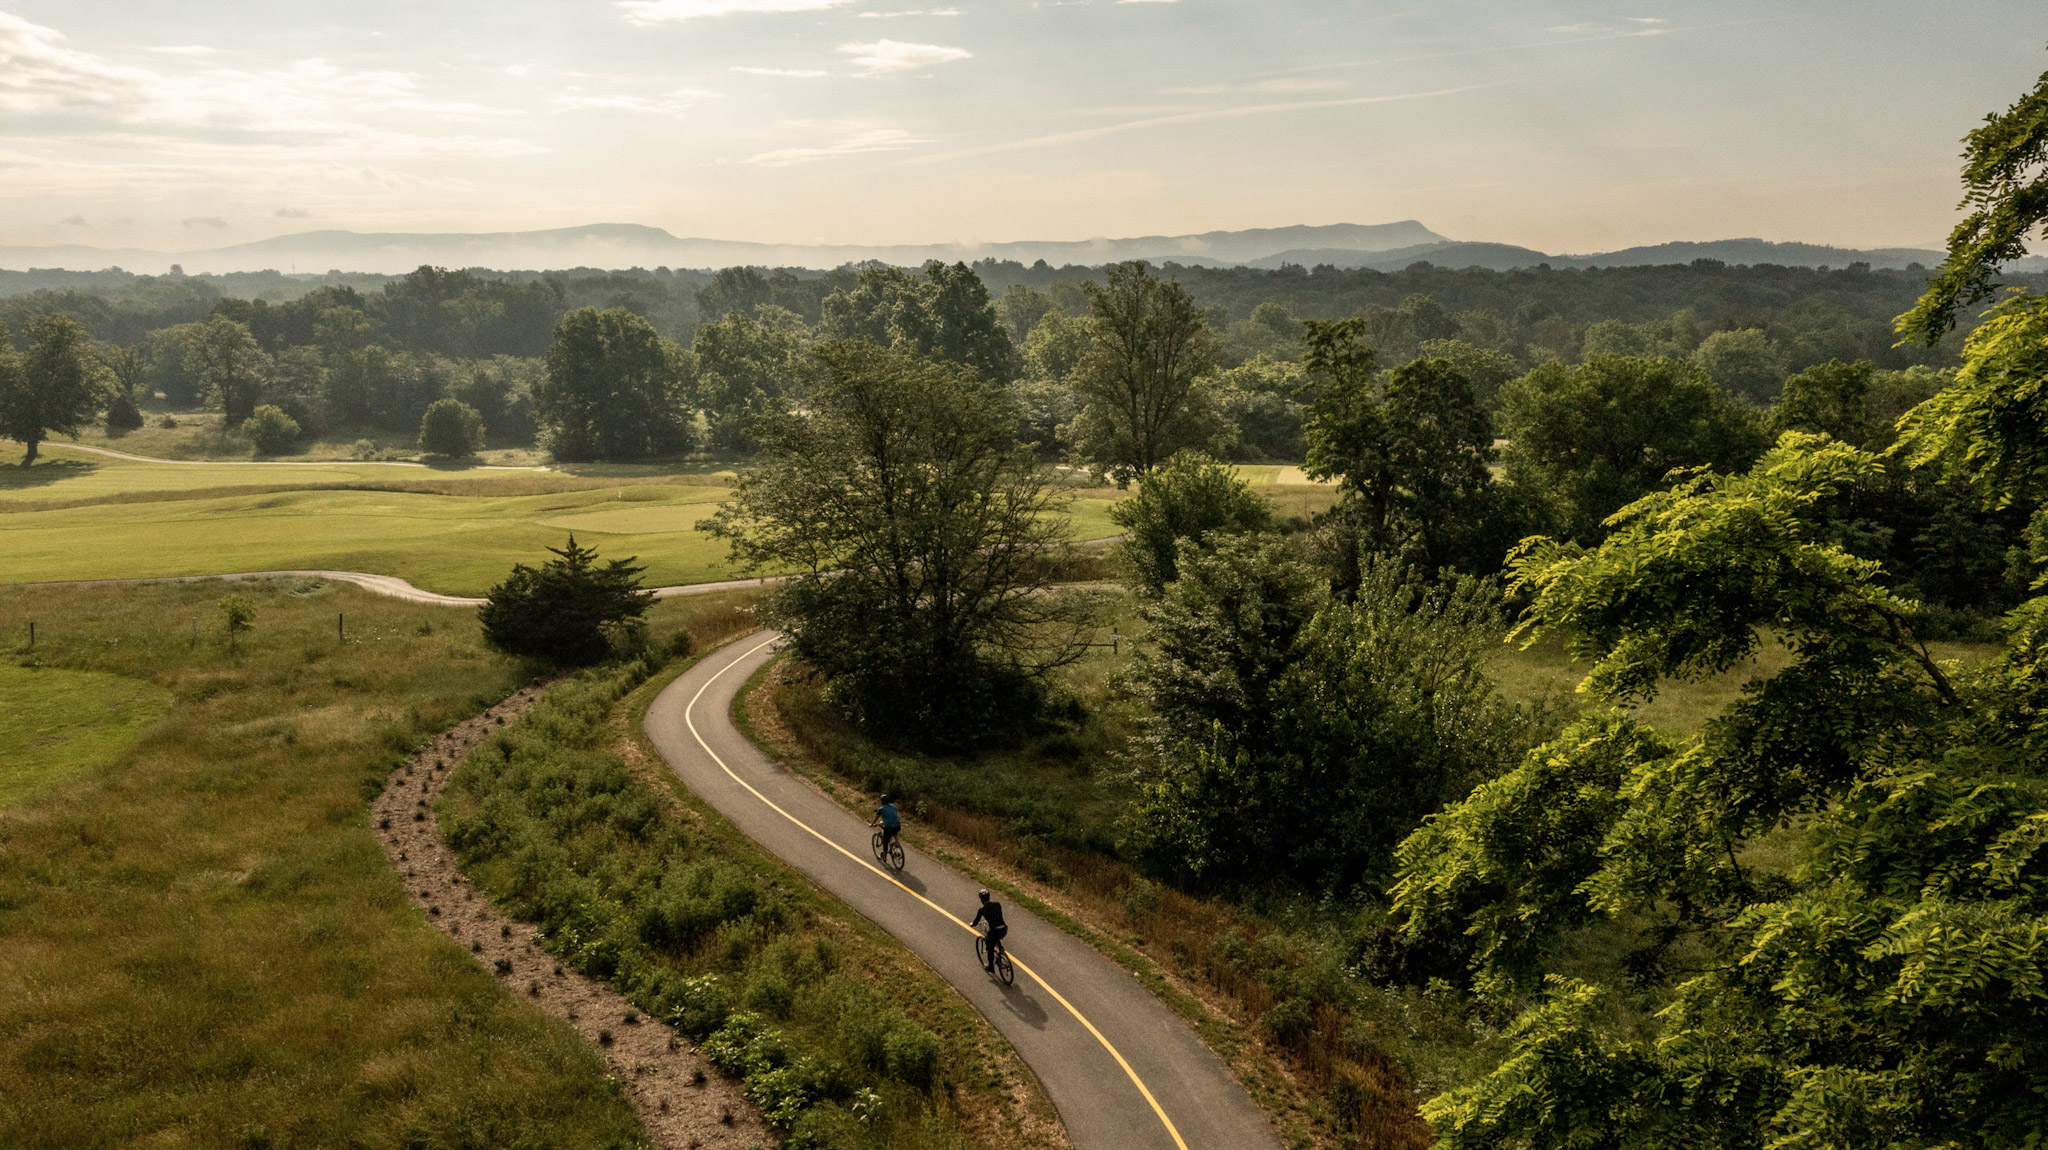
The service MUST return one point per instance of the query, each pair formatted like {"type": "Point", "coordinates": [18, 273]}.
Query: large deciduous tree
{"type": "Point", "coordinates": [1294, 738]}
{"type": "Point", "coordinates": [613, 389]}
{"type": "Point", "coordinates": [1594, 437]}
{"type": "Point", "coordinates": [1409, 448]}
{"type": "Point", "coordinates": [919, 537]}
{"type": "Point", "coordinates": [1188, 498]}
{"type": "Point", "coordinates": [946, 315]}
{"type": "Point", "coordinates": [52, 387]}
{"type": "Point", "coordinates": [745, 367]}
{"type": "Point", "coordinates": [232, 367]}
{"type": "Point", "coordinates": [1140, 380]}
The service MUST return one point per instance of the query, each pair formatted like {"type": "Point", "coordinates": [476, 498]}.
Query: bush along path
{"type": "Point", "coordinates": [681, 1100]}
{"type": "Point", "coordinates": [838, 1037]}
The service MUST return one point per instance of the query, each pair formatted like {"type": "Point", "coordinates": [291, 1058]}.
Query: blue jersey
{"type": "Point", "coordinates": [890, 818]}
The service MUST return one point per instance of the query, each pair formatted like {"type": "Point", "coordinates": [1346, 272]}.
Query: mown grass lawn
{"type": "Point", "coordinates": [54, 722]}
{"type": "Point", "coordinates": [76, 516]}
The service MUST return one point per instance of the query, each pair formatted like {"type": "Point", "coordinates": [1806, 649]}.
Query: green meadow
{"type": "Point", "coordinates": [76, 516]}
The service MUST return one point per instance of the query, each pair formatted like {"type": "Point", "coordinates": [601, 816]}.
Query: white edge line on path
{"type": "Point", "coordinates": [689, 717]}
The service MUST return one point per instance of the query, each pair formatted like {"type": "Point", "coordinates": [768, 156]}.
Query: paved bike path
{"type": "Point", "coordinates": [1124, 1071]}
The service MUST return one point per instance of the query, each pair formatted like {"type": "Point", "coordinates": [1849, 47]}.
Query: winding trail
{"type": "Point", "coordinates": [122, 455]}
{"type": "Point", "coordinates": [392, 585]}
{"type": "Point", "coordinates": [1123, 1070]}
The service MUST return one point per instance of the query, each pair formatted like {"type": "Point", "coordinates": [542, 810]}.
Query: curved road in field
{"type": "Point", "coordinates": [1124, 1071]}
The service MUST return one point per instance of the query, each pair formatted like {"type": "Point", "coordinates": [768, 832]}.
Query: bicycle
{"type": "Point", "coordinates": [893, 856]}
{"type": "Point", "coordinates": [1003, 969]}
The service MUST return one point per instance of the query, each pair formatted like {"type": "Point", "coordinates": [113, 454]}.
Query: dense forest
{"type": "Point", "coordinates": [341, 355]}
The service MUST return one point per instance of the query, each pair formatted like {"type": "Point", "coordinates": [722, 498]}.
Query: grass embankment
{"type": "Point", "coordinates": [451, 531]}
{"type": "Point", "coordinates": [204, 944]}
{"type": "Point", "coordinates": [840, 1037]}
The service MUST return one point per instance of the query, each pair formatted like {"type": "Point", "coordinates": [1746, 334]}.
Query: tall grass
{"type": "Point", "coordinates": [200, 939]}
{"type": "Point", "coordinates": [667, 903]}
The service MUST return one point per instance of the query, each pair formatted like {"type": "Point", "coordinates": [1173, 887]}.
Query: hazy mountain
{"type": "Point", "coordinates": [633, 245]}
{"type": "Point", "coordinates": [1448, 253]}
{"type": "Point", "coordinates": [1382, 247]}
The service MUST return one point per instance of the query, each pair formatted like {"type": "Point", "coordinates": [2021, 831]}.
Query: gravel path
{"type": "Point", "coordinates": [684, 1103]}
{"type": "Point", "coordinates": [392, 585]}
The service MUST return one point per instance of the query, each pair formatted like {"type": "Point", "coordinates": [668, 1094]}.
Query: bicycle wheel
{"type": "Point", "coordinates": [875, 845]}
{"type": "Point", "coordinates": [1004, 970]}
{"type": "Point", "coordinates": [981, 950]}
{"type": "Point", "coordinates": [896, 853]}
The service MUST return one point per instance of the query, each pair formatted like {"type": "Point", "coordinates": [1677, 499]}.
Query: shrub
{"type": "Point", "coordinates": [568, 610]}
{"type": "Point", "coordinates": [271, 430]}
{"type": "Point", "coordinates": [451, 428]}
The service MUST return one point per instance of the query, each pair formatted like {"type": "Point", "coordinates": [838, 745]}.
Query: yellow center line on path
{"type": "Point", "coordinates": [690, 718]}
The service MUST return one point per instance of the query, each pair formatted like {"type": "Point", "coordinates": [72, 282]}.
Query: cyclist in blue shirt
{"type": "Point", "coordinates": [890, 822]}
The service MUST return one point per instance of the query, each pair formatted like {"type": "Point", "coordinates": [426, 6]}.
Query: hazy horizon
{"type": "Point", "coordinates": [1566, 126]}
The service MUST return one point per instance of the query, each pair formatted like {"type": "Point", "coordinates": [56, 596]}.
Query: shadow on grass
{"type": "Point", "coordinates": [15, 477]}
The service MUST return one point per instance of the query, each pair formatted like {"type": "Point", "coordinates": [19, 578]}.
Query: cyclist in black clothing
{"type": "Point", "coordinates": [993, 912]}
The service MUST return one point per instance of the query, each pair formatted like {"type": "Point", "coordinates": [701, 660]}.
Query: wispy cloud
{"type": "Point", "coordinates": [804, 72]}
{"type": "Point", "coordinates": [673, 103]}
{"type": "Point", "coordinates": [896, 56]}
{"type": "Point", "coordinates": [677, 11]}
{"type": "Point", "coordinates": [853, 143]}
{"type": "Point", "coordinates": [1190, 117]}
{"type": "Point", "coordinates": [910, 12]}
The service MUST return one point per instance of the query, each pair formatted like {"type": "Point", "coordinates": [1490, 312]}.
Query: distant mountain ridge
{"type": "Point", "coordinates": [1506, 257]}
{"type": "Point", "coordinates": [1382, 247]}
{"type": "Point", "coordinates": [637, 245]}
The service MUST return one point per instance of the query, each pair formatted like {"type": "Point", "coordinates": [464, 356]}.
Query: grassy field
{"type": "Point", "coordinates": [204, 944]}
{"type": "Point", "coordinates": [56, 722]}
{"type": "Point", "coordinates": [76, 516]}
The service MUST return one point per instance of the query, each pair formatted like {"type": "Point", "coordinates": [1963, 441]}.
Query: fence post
{"type": "Point", "coordinates": [195, 631]}
{"type": "Point", "coordinates": [31, 634]}
{"type": "Point", "coordinates": [340, 628]}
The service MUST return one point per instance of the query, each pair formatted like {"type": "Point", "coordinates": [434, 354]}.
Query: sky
{"type": "Point", "coordinates": [1564, 125]}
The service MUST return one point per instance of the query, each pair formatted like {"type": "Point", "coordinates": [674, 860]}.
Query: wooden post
{"type": "Point", "coordinates": [31, 634]}
{"type": "Point", "coordinates": [195, 631]}
{"type": "Point", "coordinates": [340, 628]}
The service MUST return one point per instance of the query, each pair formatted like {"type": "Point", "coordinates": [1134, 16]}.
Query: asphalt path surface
{"type": "Point", "coordinates": [1124, 1071]}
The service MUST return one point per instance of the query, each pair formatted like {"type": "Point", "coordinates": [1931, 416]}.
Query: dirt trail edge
{"type": "Point", "coordinates": [683, 1102]}
{"type": "Point", "coordinates": [1123, 1070]}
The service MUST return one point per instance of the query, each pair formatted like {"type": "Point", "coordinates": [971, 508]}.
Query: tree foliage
{"type": "Point", "coordinates": [919, 536]}
{"type": "Point", "coordinates": [1886, 987]}
{"type": "Point", "coordinates": [1594, 437]}
{"type": "Point", "coordinates": [613, 390]}
{"type": "Point", "coordinates": [1139, 382]}
{"type": "Point", "coordinates": [946, 315]}
{"type": "Point", "coordinates": [747, 366]}
{"type": "Point", "coordinates": [53, 387]}
{"type": "Point", "coordinates": [1409, 448]}
{"type": "Point", "coordinates": [270, 430]}
{"type": "Point", "coordinates": [231, 367]}
{"type": "Point", "coordinates": [451, 429]}
{"type": "Point", "coordinates": [1188, 498]}
{"type": "Point", "coordinates": [1294, 737]}
{"type": "Point", "coordinates": [569, 610]}
{"type": "Point", "coordinates": [2005, 182]}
